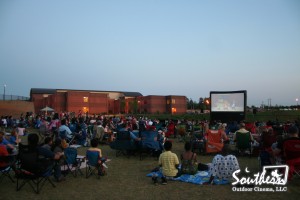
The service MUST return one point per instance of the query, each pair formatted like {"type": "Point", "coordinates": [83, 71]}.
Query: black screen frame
{"type": "Point", "coordinates": [230, 115]}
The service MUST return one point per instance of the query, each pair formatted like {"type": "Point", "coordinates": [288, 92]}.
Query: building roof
{"type": "Point", "coordinates": [52, 91]}
{"type": "Point", "coordinates": [42, 91]}
{"type": "Point", "coordinates": [132, 94]}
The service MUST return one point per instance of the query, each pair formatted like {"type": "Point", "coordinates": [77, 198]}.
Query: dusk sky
{"type": "Point", "coordinates": [155, 47]}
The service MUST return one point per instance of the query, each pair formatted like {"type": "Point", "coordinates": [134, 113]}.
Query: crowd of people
{"type": "Point", "coordinates": [61, 130]}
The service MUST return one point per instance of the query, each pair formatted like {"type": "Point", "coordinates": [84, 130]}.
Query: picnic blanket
{"type": "Point", "coordinates": [199, 178]}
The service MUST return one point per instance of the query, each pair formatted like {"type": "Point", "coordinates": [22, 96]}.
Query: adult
{"type": "Point", "coordinates": [125, 127]}
{"type": "Point", "coordinates": [293, 134]}
{"type": "Point", "coordinates": [188, 158]}
{"type": "Point", "coordinates": [222, 129]}
{"type": "Point", "coordinates": [223, 165]}
{"type": "Point", "coordinates": [45, 153]}
{"type": "Point", "coordinates": [99, 131]}
{"type": "Point", "coordinates": [64, 130]}
{"type": "Point", "coordinates": [5, 142]}
{"type": "Point", "coordinates": [243, 131]}
{"type": "Point", "coordinates": [3, 152]}
{"type": "Point", "coordinates": [168, 161]}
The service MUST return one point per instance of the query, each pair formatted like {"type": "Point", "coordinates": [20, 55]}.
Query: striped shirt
{"type": "Point", "coordinates": [168, 161]}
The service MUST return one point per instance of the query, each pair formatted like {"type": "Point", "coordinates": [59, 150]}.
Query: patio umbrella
{"type": "Point", "coordinates": [47, 109]}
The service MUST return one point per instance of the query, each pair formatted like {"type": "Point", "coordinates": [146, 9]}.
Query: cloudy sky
{"type": "Point", "coordinates": [155, 47]}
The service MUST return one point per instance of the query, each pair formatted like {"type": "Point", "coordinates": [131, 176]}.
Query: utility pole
{"type": "Point", "coordinates": [269, 103]}
{"type": "Point", "coordinates": [4, 92]}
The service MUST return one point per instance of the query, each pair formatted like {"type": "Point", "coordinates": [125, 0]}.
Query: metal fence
{"type": "Point", "coordinates": [13, 97]}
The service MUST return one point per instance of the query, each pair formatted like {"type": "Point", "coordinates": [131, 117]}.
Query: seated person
{"type": "Point", "coordinates": [223, 165]}
{"type": "Point", "coordinates": [242, 130]}
{"type": "Point", "coordinates": [126, 127]}
{"type": "Point", "coordinates": [168, 161]}
{"type": "Point", "coordinates": [81, 134]}
{"type": "Point", "coordinates": [64, 128]}
{"type": "Point", "coordinates": [293, 134]}
{"type": "Point", "coordinates": [99, 131]}
{"type": "Point", "coordinates": [6, 143]}
{"type": "Point", "coordinates": [101, 160]}
{"type": "Point", "coordinates": [188, 158]}
{"type": "Point", "coordinates": [21, 130]}
{"type": "Point", "coordinates": [14, 138]}
{"type": "Point", "coordinates": [222, 129]}
{"type": "Point", "coordinates": [48, 143]}
{"type": "Point", "coordinates": [57, 147]}
{"type": "Point", "coordinates": [3, 152]}
{"type": "Point", "coordinates": [44, 153]}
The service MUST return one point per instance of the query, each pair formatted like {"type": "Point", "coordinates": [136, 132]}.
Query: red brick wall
{"type": "Point", "coordinates": [98, 103]}
{"type": "Point", "coordinates": [73, 101]}
{"type": "Point", "coordinates": [15, 108]}
{"type": "Point", "coordinates": [180, 104]}
{"type": "Point", "coordinates": [155, 104]}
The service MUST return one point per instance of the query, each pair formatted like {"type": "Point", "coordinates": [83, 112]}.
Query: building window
{"type": "Point", "coordinates": [85, 109]}
{"type": "Point", "coordinates": [169, 101]}
{"type": "Point", "coordinates": [85, 99]}
{"type": "Point", "coordinates": [174, 110]}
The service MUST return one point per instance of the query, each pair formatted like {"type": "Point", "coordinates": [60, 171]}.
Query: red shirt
{"type": "Point", "coordinates": [3, 152]}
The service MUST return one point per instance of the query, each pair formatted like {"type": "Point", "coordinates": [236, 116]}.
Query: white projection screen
{"type": "Point", "coordinates": [228, 105]}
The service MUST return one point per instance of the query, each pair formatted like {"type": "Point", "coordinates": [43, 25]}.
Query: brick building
{"type": "Point", "coordinates": [108, 102]}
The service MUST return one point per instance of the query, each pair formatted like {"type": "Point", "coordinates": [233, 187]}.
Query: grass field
{"type": "Point", "coordinates": [126, 179]}
{"type": "Point", "coordinates": [273, 115]}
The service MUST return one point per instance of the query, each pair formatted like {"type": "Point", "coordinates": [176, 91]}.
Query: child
{"type": "Point", "coordinates": [101, 160]}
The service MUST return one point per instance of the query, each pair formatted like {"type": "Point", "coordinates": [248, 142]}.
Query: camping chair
{"type": "Point", "coordinates": [243, 142]}
{"type": "Point", "coordinates": [92, 165]}
{"type": "Point", "coordinates": [182, 132]}
{"type": "Point", "coordinates": [149, 144]}
{"type": "Point", "coordinates": [198, 141]}
{"type": "Point", "coordinates": [63, 135]}
{"type": "Point", "coordinates": [34, 171]}
{"type": "Point", "coordinates": [123, 144]}
{"type": "Point", "coordinates": [291, 151]}
{"type": "Point", "coordinates": [5, 170]}
{"type": "Point", "coordinates": [197, 128]}
{"type": "Point", "coordinates": [213, 142]}
{"type": "Point", "coordinates": [72, 161]}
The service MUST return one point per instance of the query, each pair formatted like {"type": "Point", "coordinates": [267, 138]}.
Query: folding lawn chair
{"type": "Point", "coordinates": [63, 135]}
{"type": "Point", "coordinates": [291, 150]}
{"type": "Point", "coordinates": [243, 142]}
{"type": "Point", "coordinates": [72, 161]}
{"type": "Point", "coordinates": [34, 171]}
{"type": "Point", "coordinates": [214, 143]}
{"type": "Point", "coordinates": [92, 164]}
{"type": "Point", "coordinates": [7, 167]}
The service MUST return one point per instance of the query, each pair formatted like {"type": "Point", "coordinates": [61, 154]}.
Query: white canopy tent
{"type": "Point", "coordinates": [47, 109]}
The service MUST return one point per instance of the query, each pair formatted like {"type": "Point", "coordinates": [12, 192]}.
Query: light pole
{"type": "Point", "coordinates": [4, 92]}
{"type": "Point", "coordinates": [297, 101]}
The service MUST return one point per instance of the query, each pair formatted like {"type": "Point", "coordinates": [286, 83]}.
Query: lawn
{"type": "Point", "coordinates": [126, 179]}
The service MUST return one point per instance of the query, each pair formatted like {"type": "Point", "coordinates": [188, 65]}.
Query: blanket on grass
{"type": "Point", "coordinates": [199, 178]}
